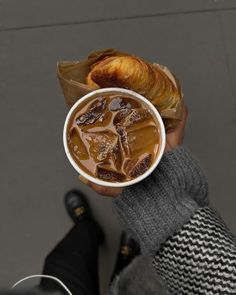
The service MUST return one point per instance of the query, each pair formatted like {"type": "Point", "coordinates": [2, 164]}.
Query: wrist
{"type": "Point", "coordinates": [152, 211]}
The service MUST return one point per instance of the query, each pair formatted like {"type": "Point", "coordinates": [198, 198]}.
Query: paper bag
{"type": "Point", "coordinates": [72, 76]}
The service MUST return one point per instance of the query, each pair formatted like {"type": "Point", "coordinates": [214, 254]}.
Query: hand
{"type": "Point", "coordinates": [102, 190]}
{"type": "Point", "coordinates": [174, 138]}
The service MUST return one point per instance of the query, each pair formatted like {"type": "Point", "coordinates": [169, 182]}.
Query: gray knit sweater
{"type": "Point", "coordinates": [188, 245]}
{"type": "Point", "coordinates": [187, 248]}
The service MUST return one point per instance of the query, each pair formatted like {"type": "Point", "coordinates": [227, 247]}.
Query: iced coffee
{"type": "Point", "coordinates": [113, 138]}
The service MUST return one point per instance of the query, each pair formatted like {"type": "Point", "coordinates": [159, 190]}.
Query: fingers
{"type": "Point", "coordinates": [175, 137]}
{"type": "Point", "coordinates": [83, 179]}
{"type": "Point", "coordinates": [106, 191]}
{"type": "Point", "coordinates": [180, 129]}
{"type": "Point", "coordinates": [183, 121]}
{"type": "Point", "coordinates": [102, 190]}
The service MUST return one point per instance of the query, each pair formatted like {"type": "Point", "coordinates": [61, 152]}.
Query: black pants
{"type": "Point", "coordinates": [75, 261]}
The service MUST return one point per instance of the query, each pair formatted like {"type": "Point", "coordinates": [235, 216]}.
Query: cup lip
{"type": "Point", "coordinates": [142, 99]}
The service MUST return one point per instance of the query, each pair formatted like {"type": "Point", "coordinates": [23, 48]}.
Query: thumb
{"type": "Point", "coordinates": [102, 190]}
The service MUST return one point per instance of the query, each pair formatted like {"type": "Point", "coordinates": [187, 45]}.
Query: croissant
{"type": "Point", "coordinates": [153, 81]}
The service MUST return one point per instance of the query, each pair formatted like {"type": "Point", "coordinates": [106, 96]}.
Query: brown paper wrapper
{"type": "Point", "coordinates": [72, 76]}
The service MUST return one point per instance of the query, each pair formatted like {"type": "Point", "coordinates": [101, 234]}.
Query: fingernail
{"type": "Point", "coordinates": [83, 179]}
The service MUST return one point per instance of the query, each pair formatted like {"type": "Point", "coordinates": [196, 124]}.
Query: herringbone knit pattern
{"type": "Point", "coordinates": [201, 258]}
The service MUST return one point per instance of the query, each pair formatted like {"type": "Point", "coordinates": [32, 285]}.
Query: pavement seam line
{"type": "Point", "coordinates": [103, 20]}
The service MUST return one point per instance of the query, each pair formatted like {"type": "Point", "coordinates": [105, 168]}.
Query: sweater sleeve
{"type": "Point", "coordinates": [154, 209]}
{"type": "Point", "coordinates": [200, 258]}
{"type": "Point", "coordinates": [187, 173]}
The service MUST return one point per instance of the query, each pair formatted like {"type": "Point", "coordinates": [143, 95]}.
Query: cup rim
{"type": "Point", "coordinates": [142, 99]}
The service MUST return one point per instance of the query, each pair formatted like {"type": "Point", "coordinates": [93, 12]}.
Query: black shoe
{"type": "Point", "coordinates": [128, 250]}
{"type": "Point", "coordinates": [78, 209]}
{"type": "Point", "coordinates": [77, 206]}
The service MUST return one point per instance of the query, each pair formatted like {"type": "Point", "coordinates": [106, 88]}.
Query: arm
{"type": "Point", "coordinates": [194, 252]}
{"type": "Point", "coordinates": [153, 209]}
{"type": "Point", "coordinates": [193, 249]}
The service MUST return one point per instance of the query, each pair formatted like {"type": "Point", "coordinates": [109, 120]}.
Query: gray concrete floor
{"type": "Point", "coordinates": [195, 38]}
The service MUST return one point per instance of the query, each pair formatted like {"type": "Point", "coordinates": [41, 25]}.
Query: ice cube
{"type": "Point", "coordinates": [76, 144]}
{"type": "Point", "coordinates": [116, 156]}
{"type": "Point", "coordinates": [136, 116]}
{"type": "Point", "coordinates": [101, 118]}
{"type": "Point", "coordinates": [119, 103]}
{"type": "Point", "coordinates": [101, 144]}
{"type": "Point", "coordinates": [94, 113]}
{"type": "Point", "coordinates": [138, 140]}
{"type": "Point", "coordinates": [120, 129]}
{"type": "Point", "coordinates": [121, 116]}
{"type": "Point", "coordinates": [106, 174]}
{"type": "Point", "coordinates": [137, 167]}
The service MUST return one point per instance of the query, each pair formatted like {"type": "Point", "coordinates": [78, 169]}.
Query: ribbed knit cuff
{"type": "Point", "coordinates": [183, 169]}
{"type": "Point", "coordinates": [152, 219]}
{"type": "Point", "coordinates": [154, 209]}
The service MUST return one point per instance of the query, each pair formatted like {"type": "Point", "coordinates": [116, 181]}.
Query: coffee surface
{"type": "Point", "coordinates": [113, 138]}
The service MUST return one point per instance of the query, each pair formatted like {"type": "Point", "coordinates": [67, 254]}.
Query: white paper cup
{"type": "Point", "coordinates": [146, 104]}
